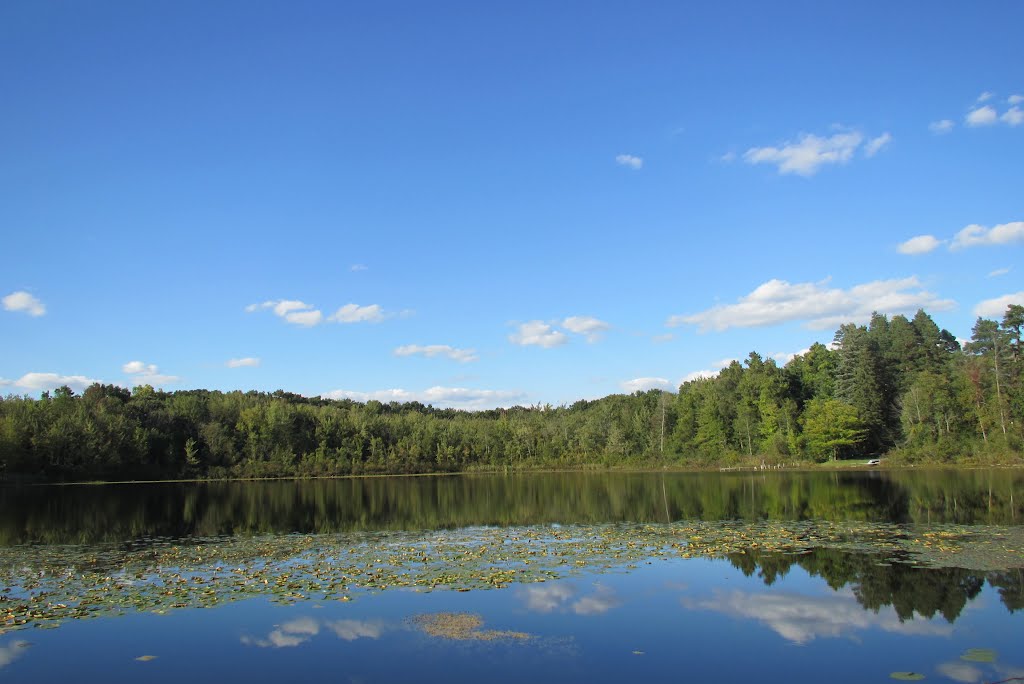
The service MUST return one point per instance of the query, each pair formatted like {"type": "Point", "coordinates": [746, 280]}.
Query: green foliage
{"type": "Point", "coordinates": [893, 384]}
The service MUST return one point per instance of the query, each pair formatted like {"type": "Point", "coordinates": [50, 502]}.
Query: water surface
{"type": "Point", "coordinates": [770, 576]}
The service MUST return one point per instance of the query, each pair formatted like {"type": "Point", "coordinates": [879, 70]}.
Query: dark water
{"type": "Point", "coordinates": [558, 577]}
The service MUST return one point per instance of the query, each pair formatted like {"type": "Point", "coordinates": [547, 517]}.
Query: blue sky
{"type": "Point", "coordinates": [480, 204]}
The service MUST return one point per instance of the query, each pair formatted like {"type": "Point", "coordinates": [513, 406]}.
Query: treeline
{"type": "Point", "coordinates": [893, 384]}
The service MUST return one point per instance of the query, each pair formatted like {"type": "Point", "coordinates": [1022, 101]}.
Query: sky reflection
{"type": "Point", "coordinates": [300, 630]}
{"type": "Point", "coordinates": [561, 597]}
{"type": "Point", "coordinates": [800, 618]}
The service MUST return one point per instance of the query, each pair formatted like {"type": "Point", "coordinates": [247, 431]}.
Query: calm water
{"type": "Point", "coordinates": [570, 577]}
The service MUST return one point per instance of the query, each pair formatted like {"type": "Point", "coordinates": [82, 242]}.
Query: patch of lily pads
{"type": "Point", "coordinates": [42, 586]}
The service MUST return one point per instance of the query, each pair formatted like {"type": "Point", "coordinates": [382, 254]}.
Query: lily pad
{"type": "Point", "coordinates": [979, 655]}
{"type": "Point", "coordinates": [906, 676]}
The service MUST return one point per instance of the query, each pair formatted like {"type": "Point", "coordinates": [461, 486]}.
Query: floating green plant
{"type": "Point", "coordinates": [979, 655]}
{"type": "Point", "coordinates": [43, 585]}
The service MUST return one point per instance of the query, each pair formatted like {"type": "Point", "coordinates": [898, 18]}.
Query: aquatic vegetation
{"type": "Point", "coordinates": [460, 627]}
{"type": "Point", "coordinates": [44, 585]}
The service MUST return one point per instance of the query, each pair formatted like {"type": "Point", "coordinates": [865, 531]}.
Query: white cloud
{"type": "Point", "coordinates": [432, 350]}
{"type": "Point", "coordinates": [921, 244]}
{"type": "Point", "coordinates": [247, 362]}
{"type": "Point", "coordinates": [975, 235]}
{"type": "Point", "coordinates": [996, 307]}
{"type": "Point", "coordinates": [23, 301]}
{"type": "Point", "coordinates": [49, 381]}
{"type": "Point", "coordinates": [291, 310]}
{"type": "Point", "coordinates": [629, 160]}
{"type": "Point", "coordinates": [353, 313]}
{"type": "Point", "coordinates": [875, 145]}
{"type": "Point", "coordinates": [1015, 99]}
{"type": "Point", "coordinates": [782, 358]}
{"type": "Point", "coordinates": [778, 301]}
{"type": "Point", "coordinates": [982, 116]}
{"type": "Point", "coordinates": [358, 267]}
{"type": "Point", "coordinates": [147, 374]}
{"type": "Point", "coordinates": [644, 384]}
{"type": "Point", "coordinates": [810, 152]}
{"type": "Point", "coordinates": [586, 325]}
{"type": "Point", "coordinates": [985, 97]}
{"type": "Point", "coordinates": [801, 619]}
{"type": "Point", "coordinates": [941, 127]}
{"type": "Point", "coordinates": [444, 397]}
{"type": "Point", "coordinates": [998, 272]}
{"type": "Point", "coordinates": [1013, 116]}
{"type": "Point", "coordinates": [660, 339]}
{"type": "Point", "coordinates": [538, 333]}
{"type": "Point", "coordinates": [698, 375]}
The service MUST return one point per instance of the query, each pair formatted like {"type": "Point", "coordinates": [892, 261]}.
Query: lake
{"type": "Point", "coordinates": [854, 576]}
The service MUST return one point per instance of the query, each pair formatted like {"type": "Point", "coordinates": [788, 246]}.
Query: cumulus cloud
{"type": "Point", "coordinates": [586, 325]}
{"type": "Point", "coordinates": [698, 375]}
{"type": "Point", "coordinates": [1013, 116]}
{"type": "Point", "coordinates": [996, 307]}
{"type": "Point", "coordinates": [941, 127]}
{"type": "Point", "coordinates": [801, 619]}
{"type": "Point", "coordinates": [782, 358]}
{"type": "Point", "coordinates": [538, 333]}
{"type": "Point", "coordinates": [809, 152]}
{"type": "Point", "coordinates": [985, 97]}
{"type": "Point", "coordinates": [628, 160]}
{"type": "Point", "coordinates": [976, 236]}
{"type": "Point", "coordinates": [432, 350]}
{"type": "Point", "coordinates": [291, 310]}
{"type": "Point", "coordinates": [875, 145]}
{"type": "Point", "coordinates": [24, 302]}
{"type": "Point", "coordinates": [921, 244]}
{"type": "Point", "coordinates": [818, 306]}
{"type": "Point", "coordinates": [39, 382]}
{"type": "Point", "coordinates": [147, 374]}
{"type": "Point", "coordinates": [644, 384]}
{"type": "Point", "coordinates": [247, 362]}
{"type": "Point", "coordinates": [1015, 99]}
{"type": "Point", "coordinates": [353, 313]}
{"type": "Point", "coordinates": [981, 116]}
{"type": "Point", "coordinates": [443, 397]}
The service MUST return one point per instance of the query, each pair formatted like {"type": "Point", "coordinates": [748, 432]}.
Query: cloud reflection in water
{"type": "Point", "coordinates": [559, 597]}
{"type": "Point", "coordinates": [801, 619]}
{"type": "Point", "coordinates": [299, 631]}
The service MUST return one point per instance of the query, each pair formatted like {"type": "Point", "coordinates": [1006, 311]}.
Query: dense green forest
{"type": "Point", "coordinates": [897, 386]}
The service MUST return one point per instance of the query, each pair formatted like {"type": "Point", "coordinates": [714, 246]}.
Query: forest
{"type": "Point", "coordinates": [896, 387]}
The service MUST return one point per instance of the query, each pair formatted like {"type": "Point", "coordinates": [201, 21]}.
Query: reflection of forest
{"type": "Point", "coordinates": [875, 582]}
{"type": "Point", "coordinates": [84, 514]}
